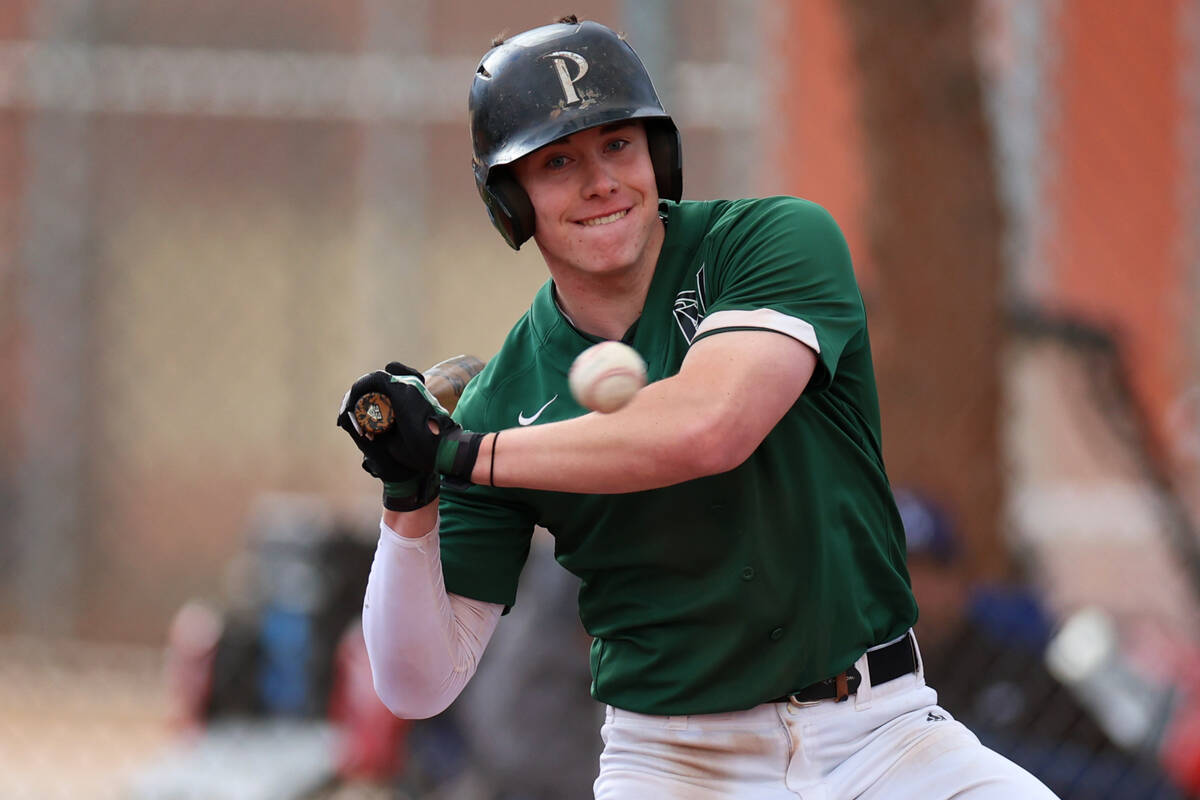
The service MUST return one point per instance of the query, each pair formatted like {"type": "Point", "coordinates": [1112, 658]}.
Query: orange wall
{"type": "Point", "coordinates": [13, 19]}
{"type": "Point", "coordinates": [1115, 240]}
{"type": "Point", "coordinates": [1115, 245]}
{"type": "Point", "coordinates": [817, 147]}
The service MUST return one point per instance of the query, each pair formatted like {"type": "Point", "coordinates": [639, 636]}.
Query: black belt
{"type": "Point", "coordinates": [887, 663]}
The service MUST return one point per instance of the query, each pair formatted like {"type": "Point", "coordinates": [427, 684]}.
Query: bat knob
{"type": "Point", "coordinates": [373, 413]}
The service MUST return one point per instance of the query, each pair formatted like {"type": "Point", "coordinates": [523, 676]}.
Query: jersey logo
{"type": "Point", "coordinates": [689, 307]}
{"type": "Point", "coordinates": [564, 75]}
{"type": "Point", "coordinates": [524, 420]}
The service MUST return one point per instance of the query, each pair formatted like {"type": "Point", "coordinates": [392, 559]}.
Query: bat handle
{"type": "Point", "coordinates": [445, 380]}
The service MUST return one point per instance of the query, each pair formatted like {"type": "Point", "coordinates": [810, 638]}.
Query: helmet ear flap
{"type": "Point", "coordinates": [508, 206]}
{"type": "Point", "coordinates": [666, 154]}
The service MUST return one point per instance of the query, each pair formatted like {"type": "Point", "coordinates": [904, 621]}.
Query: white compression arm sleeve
{"type": "Point", "coordinates": [423, 644]}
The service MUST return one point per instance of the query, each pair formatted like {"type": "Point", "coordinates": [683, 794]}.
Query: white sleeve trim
{"type": "Point", "coordinates": [765, 318]}
{"type": "Point", "coordinates": [423, 644]}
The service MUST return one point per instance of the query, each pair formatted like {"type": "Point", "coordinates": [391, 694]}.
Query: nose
{"type": "Point", "coordinates": [599, 179]}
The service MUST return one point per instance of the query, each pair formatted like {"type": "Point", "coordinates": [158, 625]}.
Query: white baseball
{"type": "Point", "coordinates": [606, 376]}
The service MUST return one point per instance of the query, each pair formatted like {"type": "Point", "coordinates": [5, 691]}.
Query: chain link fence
{"type": "Point", "coordinates": [213, 216]}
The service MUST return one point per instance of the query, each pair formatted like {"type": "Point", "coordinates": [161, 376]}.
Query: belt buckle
{"type": "Point", "coordinates": [843, 685]}
{"type": "Point", "coordinates": [792, 701]}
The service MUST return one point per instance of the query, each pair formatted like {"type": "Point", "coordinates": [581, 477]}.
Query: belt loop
{"type": "Point", "coordinates": [862, 698]}
{"type": "Point", "coordinates": [916, 648]}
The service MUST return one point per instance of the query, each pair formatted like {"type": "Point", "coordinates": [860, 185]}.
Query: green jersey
{"type": "Point", "coordinates": [724, 592]}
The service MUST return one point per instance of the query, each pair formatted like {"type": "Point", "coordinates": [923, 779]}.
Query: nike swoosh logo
{"type": "Point", "coordinates": [524, 420]}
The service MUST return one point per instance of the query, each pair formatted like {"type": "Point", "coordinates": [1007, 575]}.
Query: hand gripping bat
{"type": "Point", "coordinates": [445, 380]}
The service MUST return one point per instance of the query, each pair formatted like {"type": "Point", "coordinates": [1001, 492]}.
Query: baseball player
{"type": "Point", "coordinates": [741, 558]}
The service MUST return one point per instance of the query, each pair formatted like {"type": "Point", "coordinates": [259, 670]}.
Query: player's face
{"type": "Point", "coordinates": [595, 200]}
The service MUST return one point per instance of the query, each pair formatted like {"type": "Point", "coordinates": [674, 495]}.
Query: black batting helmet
{"type": "Point", "coordinates": [550, 82]}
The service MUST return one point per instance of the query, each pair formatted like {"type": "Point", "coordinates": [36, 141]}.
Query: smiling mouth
{"type": "Point", "coordinates": [613, 217]}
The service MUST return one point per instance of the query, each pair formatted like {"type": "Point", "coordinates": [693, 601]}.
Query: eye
{"type": "Point", "coordinates": [617, 145]}
{"type": "Point", "coordinates": [556, 162]}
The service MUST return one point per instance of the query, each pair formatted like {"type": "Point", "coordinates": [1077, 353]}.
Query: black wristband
{"type": "Point", "coordinates": [412, 494]}
{"type": "Point", "coordinates": [492, 467]}
{"type": "Point", "coordinates": [456, 455]}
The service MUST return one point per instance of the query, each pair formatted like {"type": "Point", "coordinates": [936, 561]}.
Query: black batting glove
{"type": "Point", "coordinates": [423, 438]}
{"type": "Point", "coordinates": [404, 489]}
{"type": "Point", "coordinates": [427, 439]}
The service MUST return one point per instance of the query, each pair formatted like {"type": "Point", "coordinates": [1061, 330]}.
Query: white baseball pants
{"type": "Point", "coordinates": [888, 742]}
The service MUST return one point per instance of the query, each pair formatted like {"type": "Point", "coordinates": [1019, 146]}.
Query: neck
{"type": "Point", "coordinates": [607, 305]}
{"type": "Point", "coordinates": [602, 309]}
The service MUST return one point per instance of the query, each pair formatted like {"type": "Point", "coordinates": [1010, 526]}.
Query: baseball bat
{"type": "Point", "coordinates": [445, 380]}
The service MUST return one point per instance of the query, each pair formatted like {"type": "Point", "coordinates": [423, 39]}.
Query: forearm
{"type": "Point", "coordinates": [423, 644]}
{"type": "Point", "coordinates": [705, 420]}
{"type": "Point", "coordinates": [412, 524]}
{"type": "Point", "coordinates": [651, 442]}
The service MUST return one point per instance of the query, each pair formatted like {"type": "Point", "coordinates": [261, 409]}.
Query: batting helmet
{"type": "Point", "coordinates": [550, 82]}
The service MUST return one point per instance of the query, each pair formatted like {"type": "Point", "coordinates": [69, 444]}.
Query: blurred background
{"type": "Point", "coordinates": [214, 216]}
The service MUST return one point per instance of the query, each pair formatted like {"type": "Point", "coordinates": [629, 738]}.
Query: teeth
{"type": "Point", "coordinates": [605, 220]}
